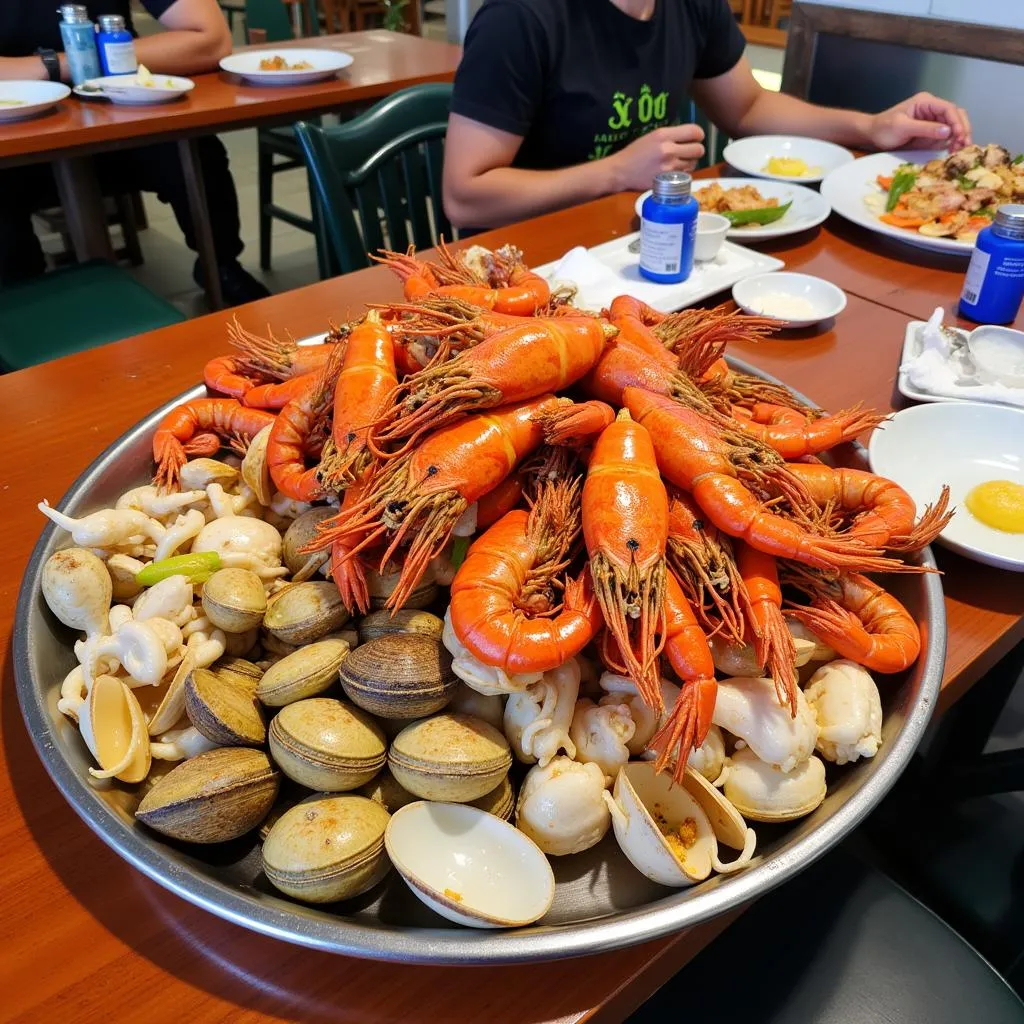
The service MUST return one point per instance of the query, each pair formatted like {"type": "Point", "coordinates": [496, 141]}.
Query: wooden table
{"type": "Point", "coordinates": [385, 62]}
{"type": "Point", "coordinates": [86, 936]}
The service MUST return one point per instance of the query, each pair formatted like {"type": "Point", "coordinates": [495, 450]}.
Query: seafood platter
{"type": "Point", "coordinates": [487, 629]}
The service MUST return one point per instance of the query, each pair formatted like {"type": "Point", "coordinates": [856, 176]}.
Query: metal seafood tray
{"type": "Point", "coordinates": [601, 903]}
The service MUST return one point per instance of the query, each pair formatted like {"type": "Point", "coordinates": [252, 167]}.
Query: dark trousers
{"type": "Point", "coordinates": [148, 169]}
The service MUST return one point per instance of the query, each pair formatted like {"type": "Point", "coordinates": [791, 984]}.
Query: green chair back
{"type": "Point", "coordinates": [384, 165]}
{"type": "Point", "coordinates": [274, 18]}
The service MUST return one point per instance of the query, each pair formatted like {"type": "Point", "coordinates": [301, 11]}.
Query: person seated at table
{"type": "Point", "coordinates": [195, 39]}
{"type": "Point", "coordinates": [557, 102]}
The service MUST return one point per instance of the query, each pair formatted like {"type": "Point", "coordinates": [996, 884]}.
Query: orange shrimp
{"type": "Point", "coordinates": [627, 305]}
{"type": "Point", "coordinates": [695, 455]}
{"type": "Point", "coordinates": [462, 323]}
{"type": "Point", "coordinates": [634, 331]}
{"type": "Point", "coordinates": [859, 619]}
{"type": "Point", "coordinates": [500, 501]}
{"type": "Point", "coordinates": [281, 360]}
{"type": "Point", "coordinates": [279, 393]}
{"type": "Point", "coordinates": [773, 642]}
{"type": "Point", "coordinates": [518, 364]}
{"type": "Point", "coordinates": [625, 527]}
{"type": "Point", "coordinates": [689, 655]}
{"type": "Point", "coordinates": [730, 388]}
{"type": "Point", "coordinates": [505, 605]}
{"type": "Point", "coordinates": [420, 496]}
{"type": "Point", "coordinates": [200, 427]}
{"type": "Point", "coordinates": [362, 394]}
{"type": "Point", "coordinates": [883, 513]}
{"type": "Point", "coordinates": [228, 375]}
{"type": "Point", "coordinates": [793, 435]}
{"type": "Point", "coordinates": [702, 334]}
{"type": "Point", "coordinates": [703, 563]}
{"type": "Point", "coordinates": [349, 573]}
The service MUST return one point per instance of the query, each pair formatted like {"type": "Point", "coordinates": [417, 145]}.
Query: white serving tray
{"type": "Point", "coordinates": [622, 276]}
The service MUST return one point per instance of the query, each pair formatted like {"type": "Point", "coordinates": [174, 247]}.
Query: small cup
{"type": "Point", "coordinates": [711, 231]}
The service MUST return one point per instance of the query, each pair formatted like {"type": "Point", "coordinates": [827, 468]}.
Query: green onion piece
{"type": "Point", "coordinates": [198, 567]}
{"type": "Point", "coordinates": [1018, 159]}
{"type": "Point", "coordinates": [459, 548]}
{"type": "Point", "coordinates": [903, 181]}
{"type": "Point", "coordinates": [763, 215]}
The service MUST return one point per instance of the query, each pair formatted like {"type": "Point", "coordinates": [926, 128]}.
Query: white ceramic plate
{"type": "Point", "coordinates": [825, 298]}
{"type": "Point", "coordinates": [750, 156]}
{"type": "Point", "coordinates": [125, 89]}
{"type": "Point", "coordinates": [29, 98]}
{"type": "Point", "coordinates": [326, 64]}
{"type": "Point", "coordinates": [809, 209]}
{"type": "Point", "coordinates": [961, 444]}
{"type": "Point", "coordinates": [847, 187]}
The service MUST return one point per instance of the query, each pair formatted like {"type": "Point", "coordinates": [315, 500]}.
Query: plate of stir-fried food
{"type": "Point", "coordinates": [935, 200]}
{"type": "Point", "coordinates": [758, 209]}
{"type": "Point", "coordinates": [293, 66]}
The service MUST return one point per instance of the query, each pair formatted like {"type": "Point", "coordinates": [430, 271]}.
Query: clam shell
{"type": "Point", "coordinates": [469, 866]}
{"type": "Point", "coordinates": [380, 589]}
{"type": "Point", "coordinates": [307, 672]}
{"type": "Point", "coordinates": [114, 728]}
{"type": "Point", "coordinates": [405, 620]}
{"type": "Point", "coordinates": [404, 675]}
{"type": "Point", "coordinates": [239, 671]}
{"type": "Point", "coordinates": [222, 711]}
{"type": "Point", "coordinates": [726, 820]}
{"type": "Point", "coordinates": [327, 745]}
{"type": "Point", "coordinates": [761, 792]}
{"type": "Point", "coordinates": [305, 612]}
{"type": "Point", "coordinates": [387, 792]}
{"type": "Point", "coordinates": [327, 847]}
{"type": "Point", "coordinates": [169, 711]}
{"type": "Point", "coordinates": [212, 798]}
{"type": "Point", "coordinates": [298, 535]}
{"type": "Point", "coordinates": [450, 757]}
{"type": "Point", "coordinates": [501, 801]}
{"type": "Point", "coordinates": [255, 470]}
{"type": "Point", "coordinates": [234, 600]}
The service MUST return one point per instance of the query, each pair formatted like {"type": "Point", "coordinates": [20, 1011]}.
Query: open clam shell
{"type": "Point", "coordinates": [114, 729]}
{"type": "Point", "coordinates": [470, 866]}
{"type": "Point", "coordinates": [255, 469]}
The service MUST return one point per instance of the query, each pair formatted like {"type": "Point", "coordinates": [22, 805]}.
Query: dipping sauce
{"type": "Point", "coordinates": [999, 504]}
{"type": "Point", "coordinates": [784, 307]}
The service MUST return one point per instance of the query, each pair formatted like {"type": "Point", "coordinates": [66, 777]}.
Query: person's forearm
{"type": "Point", "coordinates": [182, 53]}
{"type": "Point", "coordinates": [29, 69]}
{"type": "Point", "coordinates": [506, 194]}
{"type": "Point", "coordinates": [775, 113]}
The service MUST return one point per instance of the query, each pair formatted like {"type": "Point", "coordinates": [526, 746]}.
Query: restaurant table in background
{"type": "Point", "coordinates": [88, 937]}
{"type": "Point", "coordinates": [384, 63]}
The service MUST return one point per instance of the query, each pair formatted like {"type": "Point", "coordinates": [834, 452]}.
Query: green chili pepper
{"type": "Point", "coordinates": [763, 215]}
{"type": "Point", "coordinates": [1018, 159]}
{"type": "Point", "coordinates": [965, 183]}
{"type": "Point", "coordinates": [198, 567]}
{"type": "Point", "coordinates": [459, 548]}
{"type": "Point", "coordinates": [903, 181]}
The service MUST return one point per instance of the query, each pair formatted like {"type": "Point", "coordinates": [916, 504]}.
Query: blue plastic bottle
{"type": "Point", "coordinates": [79, 37]}
{"type": "Point", "coordinates": [116, 46]}
{"type": "Point", "coordinates": [668, 229]}
{"type": "Point", "coordinates": [994, 285]}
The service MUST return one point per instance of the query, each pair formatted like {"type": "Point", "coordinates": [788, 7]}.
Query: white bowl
{"type": "Point", "coordinates": [470, 866]}
{"type": "Point", "coordinates": [822, 299]}
{"type": "Point", "coordinates": [711, 231]}
{"type": "Point", "coordinates": [246, 64]}
{"type": "Point", "coordinates": [998, 353]}
{"type": "Point", "coordinates": [961, 444]}
{"type": "Point", "coordinates": [127, 89]}
{"type": "Point", "coordinates": [751, 155]}
{"type": "Point", "coordinates": [26, 99]}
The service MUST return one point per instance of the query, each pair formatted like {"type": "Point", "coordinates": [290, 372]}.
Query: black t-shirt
{"type": "Point", "coordinates": [579, 79]}
{"type": "Point", "coordinates": [26, 25]}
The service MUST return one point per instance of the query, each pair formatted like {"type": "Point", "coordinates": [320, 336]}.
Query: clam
{"type": "Point", "coordinates": [501, 801]}
{"type": "Point", "coordinates": [761, 792]}
{"type": "Point", "coordinates": [404, 675]}
{"type": "Point", "coordinates": [306, 672]}
{"type": "Point", "coordinates": [326, 745]}
{"type": "Point", "coordinates": [405, 620]}
{"type": "Point", "coordinates": [467, 701]}
{"type": "Point", "coordinates": [846, 703]}
{"type": "Point", "coordinates": [387, 792]}
{"type": "Point", "coordinates": [561, 806]}
{"type": "Point", "coordinates": [114, 730]}
{"type": "Point", "coordinates": [821, 652]}
{"type": "Point", "coordinates": [222, 711]}
{"type": "Point", "coordinates": [449, 757]}
{"type": "Point", "coordinates": [301, 532]}
{"type": "Point", "coordinates": [469, 866]}
{"type": "Point", "coordinates": [234, 600]}
{"type": "Point", "coordinates": [664, 830]}
{"type": "Point", "coordinates": [254, 468]}
{"type": "Point", "coordinates": [212, 798]}
{"type": "Point", "coordinates": [77, 589]}
{"type": "Point", "coordinates": [381, 588]}
{"type": "Point", "coordinates": [239, 671]}
{"type": "Point", "coordinates": [170, 709]}
{"type": "Point", "coordinates": [123, 570]}
{"type": "Point", "coordinates": [327, 847]}
{"type": "Point", "coordinates": [306, 612]}
{"type": "Point", "coordinates": [741, 659]}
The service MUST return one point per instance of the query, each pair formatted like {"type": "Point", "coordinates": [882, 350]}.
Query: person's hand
{"type": "Point", "coordinates": [922, 122]}
{"type": "Point", "coordinates": [674, 148]}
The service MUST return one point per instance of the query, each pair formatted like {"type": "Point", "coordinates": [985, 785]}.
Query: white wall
{"type": "Point", "coordinates": [1001, 13]}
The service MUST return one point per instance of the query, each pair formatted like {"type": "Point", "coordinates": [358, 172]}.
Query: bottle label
{"type": "Point", "coordinates": [661, 247]}
{"type": "Point", "coordinates": [975, 277]}
{"type": "Point", "coordinates": [120, 58]}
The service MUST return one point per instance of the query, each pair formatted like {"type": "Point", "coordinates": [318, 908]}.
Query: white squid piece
{"type": "Point", "coordinates": [151, 501]}
{"type": "Point", "coordinates": [601, 733]}
{"type": "Point", "coordinates": [537, 721]}
{"type": "Point", "coordinates": [561, 806]}
{"type": "Point", "coordinates": [185, 528]}
{"type": "Point", "coordinates": [169, 599]}
{"type": "Point", "coordinates": [489, 680]}
{"type": "Point", "coordinates": [244, 543]}
{"type": "Point", "coordinates": [180, 744]}
{"type": "Point", "coordinates": [140, 648]}
{"type": "Point", "coordinates": [845, 701]}
{"type": "Point", "coordinates": [108, 528]}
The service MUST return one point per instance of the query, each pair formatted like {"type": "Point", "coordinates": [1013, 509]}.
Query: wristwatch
{"type": "Point", "coordinates": [50, 62]}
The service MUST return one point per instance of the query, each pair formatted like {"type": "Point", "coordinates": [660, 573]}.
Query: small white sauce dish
{"type": "Point", "coordinates": [795, 300]}
{"type": "Point", "coordinates": [711, 231]}
{"type": "Point", "coordinates": [469, 866]}
{"type": "Point", "coordinates": [998, 354]}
